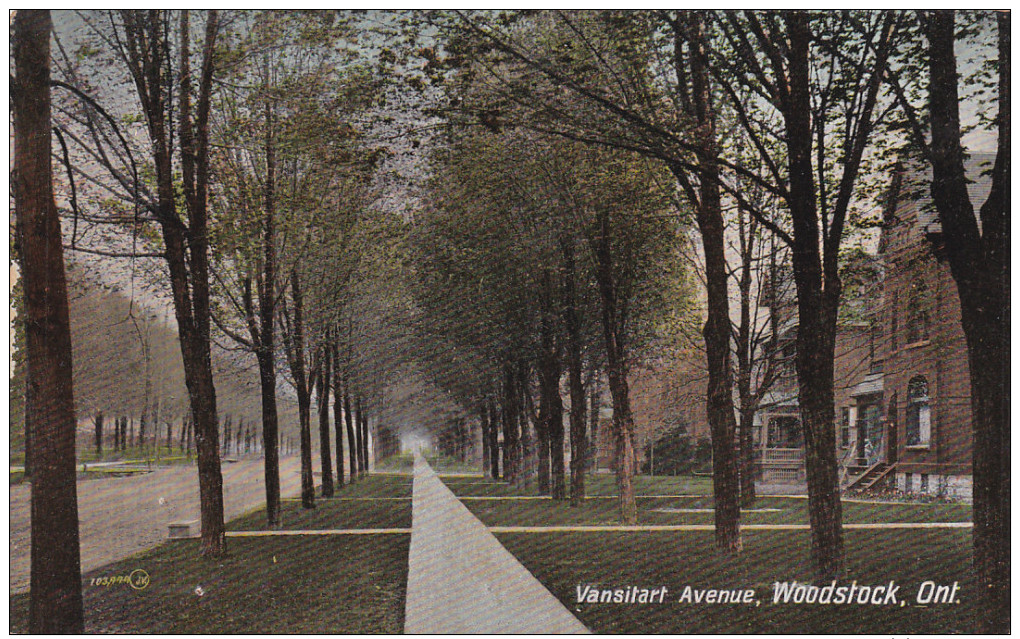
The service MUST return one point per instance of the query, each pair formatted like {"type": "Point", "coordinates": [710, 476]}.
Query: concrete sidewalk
{"type": "Point", "coordinates": [460, 578]}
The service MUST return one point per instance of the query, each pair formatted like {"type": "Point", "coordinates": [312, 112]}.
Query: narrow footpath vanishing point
{"type": "Point", "coordinates": [462, 580]}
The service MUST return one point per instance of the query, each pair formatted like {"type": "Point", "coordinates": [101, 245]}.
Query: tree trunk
{"type": "Point", "coordinates": [979, 260]}
{"type": "Point", "coordinates": [511, 434]}
{"type": "Point", "coordinates": [270, 430]}
{"type": "Point", "coordinates": [745, 362]}
{"type": "Point", "coordinates": [227, 424]}
{"type": "Point", "coordinates": [186, 246]}
{"type": "Point", "coordinates": [721, 420]}
{"type": "Point", "coordinates": [295, 342]}
{"type": "Point", "coordinates": [551, 418]}
{"type": "Point", "coordinates": [363, 437]}
{"type": "Point", "coordinates": [493, 440]}
{"type": "Point", "coordinates": [613, 334]}
{"type": "Point", "coordinates": [483, 415]}
{"type": "Point", "coordinates": [623, 440]}
{"type": "Point", "coordinates": [141, 428]}
{"type": "Point", "coordinates": [28, 388]}
{"type": "Point", "coordinates": [543, 457]}
{"type": "Point", "coordinates": [264, 334]}
{"type": "Point", "coordinates": [594, 410]}
{"type": "Point", "coordinates": [55, 603]}
{"type": "Point", "coordinates": [324, 448]}
{"type": "Point", "coordinates": [575, 371]}
{"type": "Point", "coordinates": [528, 453]}
{"type": "Point", "coordinates": [188, 261]}
{"type": "Point", "coordinates": [747, 473]}
{"type": "Point", "coordinates": [349, 421]}
{"type": "Point", "coordinates": [816, 307]}
{"type": "Point", "coordinates": [358, 452]}
{"type": "Point", "coordinates": [98, 421]}
{"type": "Point", "coordinates": [338, 403]}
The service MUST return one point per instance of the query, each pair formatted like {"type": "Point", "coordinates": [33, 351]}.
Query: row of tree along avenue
{"type": "Point", "coordinates": [479, 224]}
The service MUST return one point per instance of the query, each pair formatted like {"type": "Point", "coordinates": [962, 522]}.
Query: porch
{"type": "Point", "coordinates": [783, 466]}
{"type": "Point", "coordinates": [780, 442]}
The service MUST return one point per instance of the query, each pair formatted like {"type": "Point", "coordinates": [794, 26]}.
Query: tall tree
{"type": "Point", "coordinates": [55, 603]}
{"type": "Point", "coordinates": [813, 165]}
{"type": "Point", "coordinates": [292, 322]}
{"type": "Point", "coordinates": [708, 206]}
{"type": "Point", "coordinates": [756, 336]}
{"type": "Point", "coordinates": [352, 448]}
{"type": "Point", "coordinates": [176, 116]}
{"type": "Point", "coordinates": [338, 418]}
{"type": "Point", "coordinates": [322, 386]}
{"type": "Point", "coordinates": [975, 237]}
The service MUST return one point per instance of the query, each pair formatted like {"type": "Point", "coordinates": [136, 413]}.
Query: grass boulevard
{"type": "Point", "coordinates": [671, 581]}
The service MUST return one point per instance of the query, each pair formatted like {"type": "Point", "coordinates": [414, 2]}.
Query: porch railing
{"type": "Point", "coordinates": [783, 455]}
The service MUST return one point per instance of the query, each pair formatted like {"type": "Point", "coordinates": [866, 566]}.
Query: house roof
{"type": "Point", "coordinates": [779, 399]}
{"type": "Point", "coordinates": [977, 169]}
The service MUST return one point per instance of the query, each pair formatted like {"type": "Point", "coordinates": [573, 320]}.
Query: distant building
{"type": "Point", "coordinates": [663, 396]}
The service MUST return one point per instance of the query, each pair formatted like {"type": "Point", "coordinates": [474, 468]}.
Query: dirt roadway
{"type": "Point", "coordinates": [121, 516]}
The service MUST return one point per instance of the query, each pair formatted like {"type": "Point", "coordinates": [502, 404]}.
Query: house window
{"type": "Point", "coordinates": [875, 348]}
{"type": "Point", "coordinates": [785, 432]}
{"type": "Point", "coordinates": [918, 419]}
{"type": "Point", "coordinates": [844, 428]}
{"type": "Point", "coordinates": [917, 314]}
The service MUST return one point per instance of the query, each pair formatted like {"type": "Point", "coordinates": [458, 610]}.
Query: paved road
{"type": "Point", "coordinates": [122, 516]}
{"type": "Point", "coordinates": [462, 580]}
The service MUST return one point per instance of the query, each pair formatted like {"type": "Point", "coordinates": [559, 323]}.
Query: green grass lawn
{"type": "Point", "coordinates": [139, 454]}
{"type": "Point", "coordinates": [335, 584]}
{"type": "Point", "coordinates": [546, 512]}
{"type": "Point", "coordinates": [355, 505]}
{"type": "Point", "coordinates": [594, 485]}
{"type": "Point", "coordinates": [675, 560]}
{"type": "Point", "coordinates": [136, 460]}
{"type": "Point", "coordinates": [444, 464]}
{"type": "Point", "coordinates": [333, 514]}
{"type": "Point", "coordinates": [342, 584]}
{"type": "Point", "coordinates": [694, 493]}
{"type": "Point", "coordinates": [356, 584]}
{"type": "Point", "coordinates": [377, 486]}
{"type": "Point", "coordinates": [404, 462]}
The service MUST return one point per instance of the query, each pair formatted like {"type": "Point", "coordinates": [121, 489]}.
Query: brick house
{"type": "Point", "coordinates": [778, 434]}
{"type": "Point", "coordinates": [926, 393]}
{"type": "Point", "coordinates": [902, 384]}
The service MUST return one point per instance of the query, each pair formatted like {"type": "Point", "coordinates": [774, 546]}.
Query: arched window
{"type": "Point", "coordinates": [918, 314]}
{"type": "Point", "coordinates": [918, 422]}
